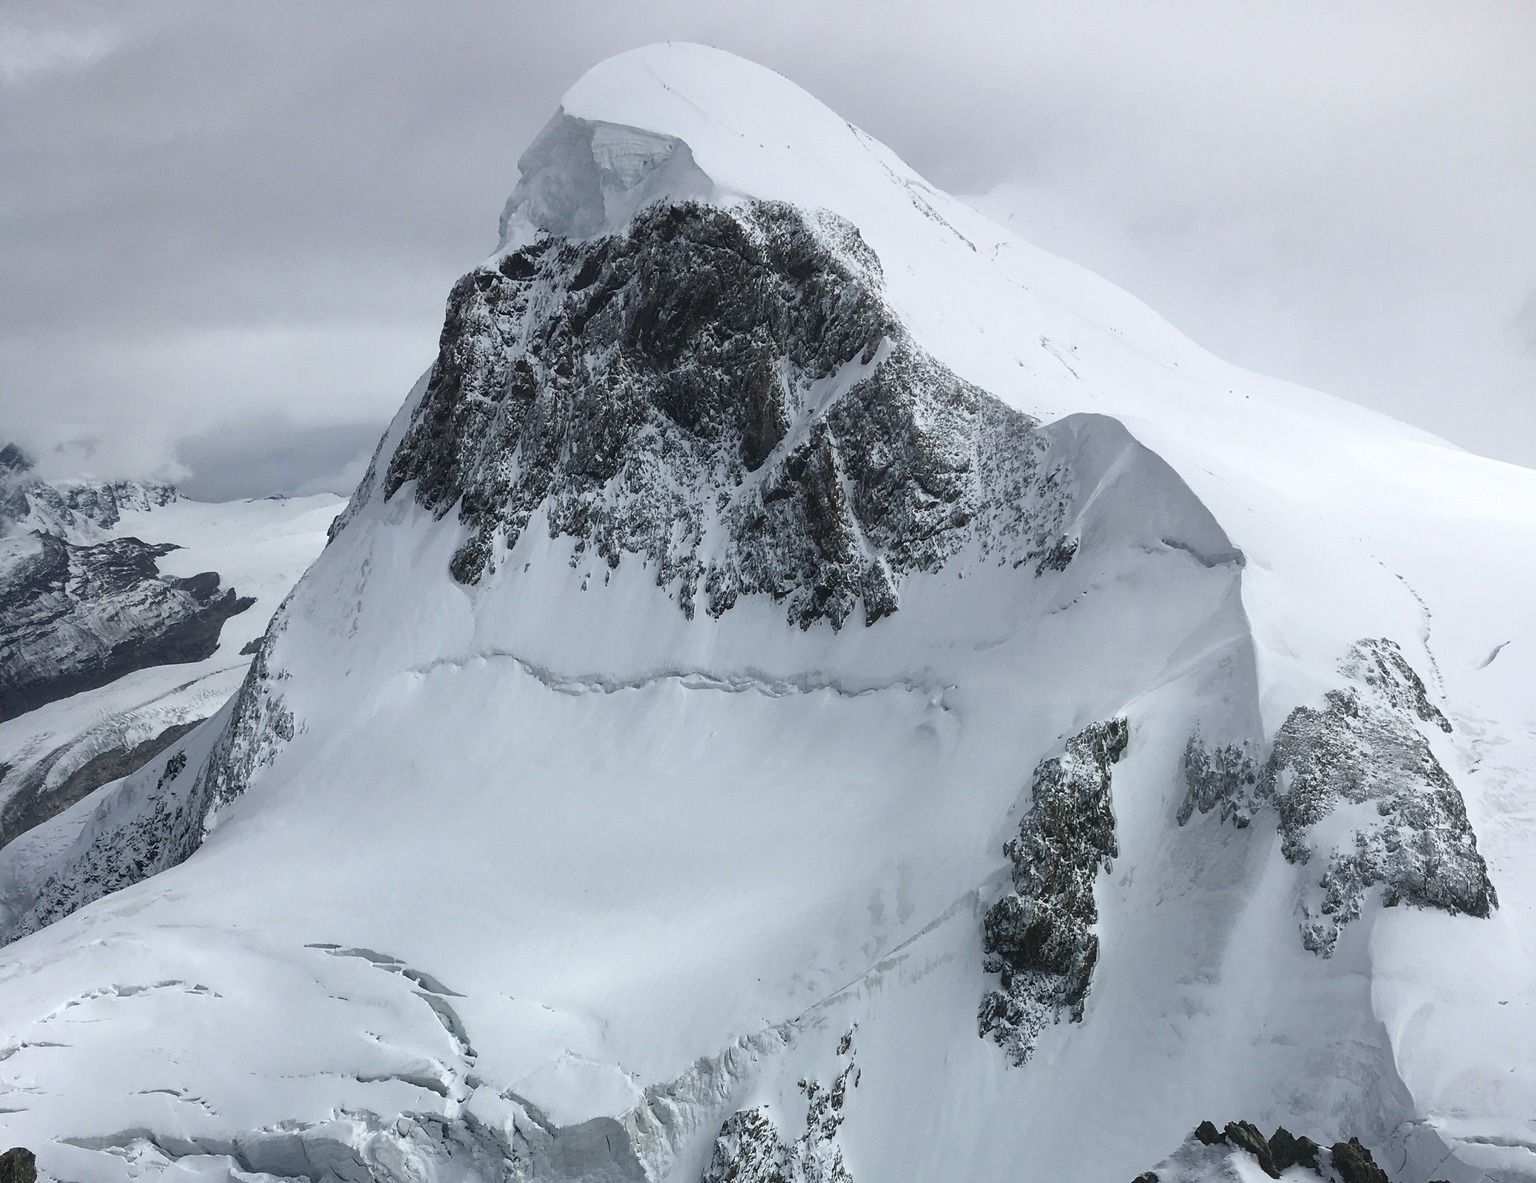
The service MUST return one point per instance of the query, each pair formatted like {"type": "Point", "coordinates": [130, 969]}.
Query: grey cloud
{"type": "Point", "coordinates": [219, 218]}
{"type": "Point", "coordinates": [251, 458]}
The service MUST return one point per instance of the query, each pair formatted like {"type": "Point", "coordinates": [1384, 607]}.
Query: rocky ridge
{"type": "Point", "coordinates": [27, 502]}
{"type": "Point", "coordinates": [724, 395]}
{"type": "Point", "coordinates": [1039, 936]}
{"type": "Point", "coordinates": [1210, 1154]}
{"type": "Point", "coordinates": [1362, 760]}
{"type": "Point", "coordinates": [78, 609]}
{"type": "Point", "coordinates": [75, 616]}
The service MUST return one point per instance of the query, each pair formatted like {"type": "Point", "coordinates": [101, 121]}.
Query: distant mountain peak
{"type": "Point", "coordinates": [14, 460]}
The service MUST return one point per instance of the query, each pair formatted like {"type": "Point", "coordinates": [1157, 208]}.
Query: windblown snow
{"type": "Point", "coordinates": [813, 688]}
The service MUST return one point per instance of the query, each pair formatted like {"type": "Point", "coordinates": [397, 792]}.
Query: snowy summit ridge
{"type": "Point", "coordinates": [801, 652]}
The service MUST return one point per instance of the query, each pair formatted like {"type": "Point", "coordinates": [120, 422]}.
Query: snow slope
{"type": "Point", "coordinates": [533, 874]}
{"type": "Point", "coordinates": [259, 547]}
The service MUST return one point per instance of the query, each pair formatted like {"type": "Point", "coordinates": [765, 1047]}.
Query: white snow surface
{"type": "Point", "coordinates": [544, 854]}
{"type": "Point", "coordinates": [259, 547]}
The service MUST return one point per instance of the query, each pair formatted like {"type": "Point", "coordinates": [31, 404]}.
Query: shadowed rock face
{"type": "Point", "coordinates": [1039, 937]}
{"type": "Point", "coordinates": [1366, 745]}
{"type": "Point", "coordinates": [75, 617]}
{"type": "Point", "coordinates": [726, 374]}
{"type": "Point", "coordinates": [18, 1164]}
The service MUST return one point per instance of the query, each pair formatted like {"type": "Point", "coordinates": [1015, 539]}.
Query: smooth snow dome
{"type": "Point", "coordinates": [542, 875]}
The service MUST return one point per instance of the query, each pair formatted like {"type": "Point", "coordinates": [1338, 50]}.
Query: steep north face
{"type": "Point", "coordinates": [722, 395]}
{"type": "Point", "coordinates": [725, 395]}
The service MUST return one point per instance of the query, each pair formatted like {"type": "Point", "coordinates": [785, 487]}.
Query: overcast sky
{"type": "Point", "coordinates": [227, 231]}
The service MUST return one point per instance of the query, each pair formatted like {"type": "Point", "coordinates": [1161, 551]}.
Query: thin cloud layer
{"type": "Point", "coordinates": [222, 227]}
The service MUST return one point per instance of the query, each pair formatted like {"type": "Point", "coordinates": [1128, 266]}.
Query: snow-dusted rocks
{"type": "Point", "coordinates": [27, 502]}
{"type": "Point", "coordinates": [750, 1147]}
{"type": "Point", "coordinates": [1039, 936]}
{"type": "Point", "coordinates": [725, 395]}
{"type": "Point", "coordinates": [1357, 784]}
{"type": "Point", "coordinates": [1239, 1152]}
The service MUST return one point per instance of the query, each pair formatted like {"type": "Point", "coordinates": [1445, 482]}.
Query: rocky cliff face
{"type": "Point", "coordinates": [1039, 937]}
{"type": "Point", "coordinates": [725, 396]}
{"type": "Point", "coordinates": [1357, 786]}
{"type": "Point", "coordinates": [73, 617]}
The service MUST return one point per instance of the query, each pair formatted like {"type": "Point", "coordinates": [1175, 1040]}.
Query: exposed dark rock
{"type": "Point", "coordinates": [1245, 1136]}
{"type": "Point", "coordinates": [1354, 1163]}
{"type": "Point", "coordinates": [1344, 1162]}
{"type": "Point", "coordinates": [74, 617]}
{"type": "Point", "coordinates": [1223, 778]}
{"type": "Point", "coordinates": [1039, 937]}
{"type": "Point", "coordinates": [33, 803]}
{"type": "Point", "coordinates": [1287, 1150]}
{"type": "Point", "coordinates": [750, 1148]}
{"type": "Point", "coordinates": [1364, 746]}
{"type": "Point", "coordinates": [733, 373]}
{"type": "Point", "coordinates": [18, 1165]}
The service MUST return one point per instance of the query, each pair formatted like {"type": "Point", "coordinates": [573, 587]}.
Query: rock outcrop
{"type": "Point", "coordinates": [1364, 750]}
{"type": "Point", "coordinates": [751, 1149]}
{"type": "Point", "coordinates": [1211, 1154]}
{"type": "Point", "coordinates": [73, 616]}
{"type": "Point", "coordinates": [725, 396]}
{"type": "Point", "coordinates": [18, 1164]}
{"type": "Point", "coordinates": [1039, 936]}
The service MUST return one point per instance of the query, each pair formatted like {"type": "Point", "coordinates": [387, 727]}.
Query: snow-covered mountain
{"type": "Point", "coordinates": [112, 647]}
{"type": "Point", "coordinates": [78, 609]}
{"type": "Point", "coordinates": [812, 688]}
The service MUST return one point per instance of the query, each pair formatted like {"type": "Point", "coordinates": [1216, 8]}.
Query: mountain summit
{"type": "Point", "coordinates": [813, 688]}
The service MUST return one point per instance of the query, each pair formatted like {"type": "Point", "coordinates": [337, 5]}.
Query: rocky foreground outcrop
{"type": "Point", "coordinates": [1211, 1154]}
